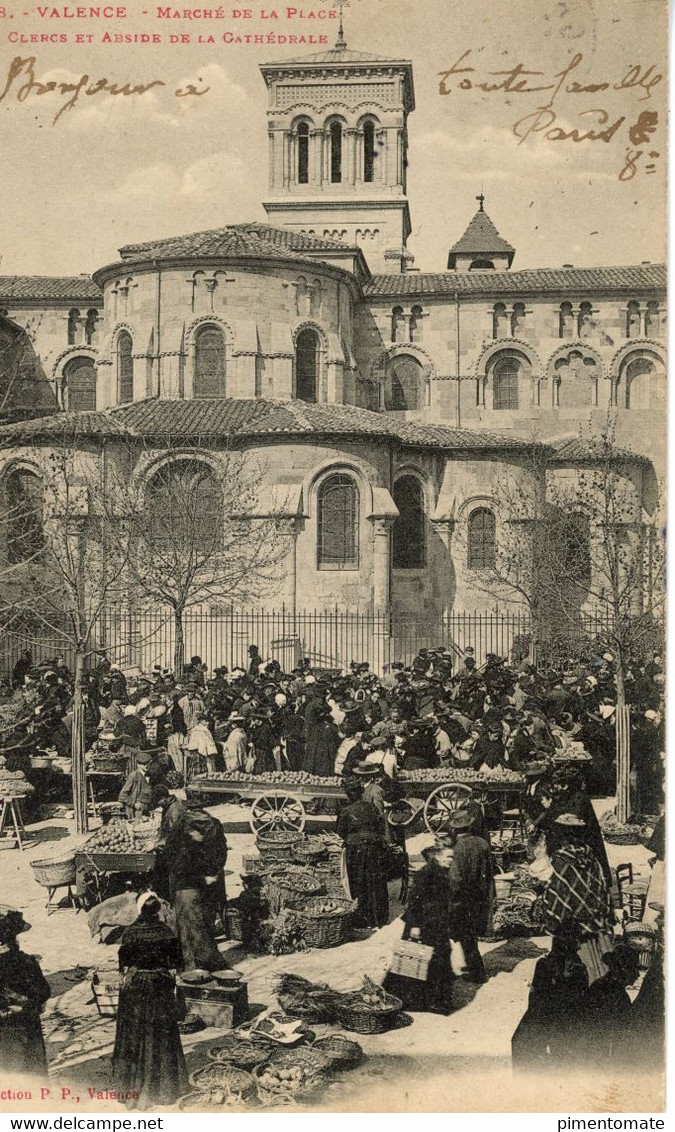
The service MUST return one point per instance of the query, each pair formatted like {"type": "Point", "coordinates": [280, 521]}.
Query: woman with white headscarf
{"type": "Point", "coordinates": [148, 1057]}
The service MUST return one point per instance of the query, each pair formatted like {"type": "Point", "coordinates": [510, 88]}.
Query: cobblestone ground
{"type": "Point", "coordinates": [458, 1063]}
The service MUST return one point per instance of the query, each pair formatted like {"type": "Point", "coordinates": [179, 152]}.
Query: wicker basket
{"type": "Point", "coordinates": [243, 1055]}
{"type": "Point", "coordinates": [411, 959]}
{"type": "Point", "coordinates": [277, 845]}
{"type": "Point", "coordinates": [224, 1075]}
{"type": "Point", "coordinates": [310, 851]}
{"type": "Point", "coordinates": [233, 923]}
{"type": "Point", "coordinates": [111, 765]}
{"type": "Point", "coordinates": [342, 1052]}
{"type": "Point", "coordinates": [312, 1061]}
{"type": "Point", "coordinates": [291, 892]}
{"type": "Point", "coordinates": [362, 1019]}
{"type": "Point", "coordinates": [641, 937]}
{"type": "Point", "coordinates": [620, 838]}
{"type": "Point", "coordinates": [50, 874]}
{"type": "Point", "coordinates": [322, 929]}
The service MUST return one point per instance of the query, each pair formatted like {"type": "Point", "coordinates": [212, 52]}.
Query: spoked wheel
{"type": "Point", "coordinates": [274, 812]}
{"type": "Point", "coordinates": [441, 803]}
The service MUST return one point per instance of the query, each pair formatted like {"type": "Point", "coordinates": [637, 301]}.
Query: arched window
{"type": "Point", "coordinates": [397, 324]}
{"type": "Point", "coordinates": [90, 327]}
{"type": "Point", "coordinates": [566, 321]}
{"type": "Point", "coordinates": [416, 317]}
{"type": "Point", "coordinates": [499, 320]}
{"type": "Point", "coordinates": [369, 150]}
{"type": "Point", "coordinates": [73, 326]}
{"type": "Point", "coordinates": [482, 543]}
{"type": "Point", "coordinates": [303, 153]}
{"type": "Point", "coordinates": [209, 380]}
{"type": "Point", "coordinates": [505, 384]}
{"type": "Point", "coordinates": [517, 318]}
{"type": "Point", "coordinates": [184, 510]}
{"type": "Point", "coordinates": [645, 383]}
{"type": "Point", "coordinates": [335, 152]}
{"type": "Point", "coordinates": [408, 534]}
{"type": "Point", "coordinates": [24, 515]}
{"type": "Point", "coordinates": [633, 328]}
{"type": "Point", "coordinates": [481, 265]}
{"type": "Point", "coordinates": [403, 387]}
{"type": "Point", "coordinates": [575, 380]}
{"type": "Point", "coordinates": [338, 524]}
{"type": "Point", "coordinates": [652, 320]}
{"type": "Point", "coordinates": [585, 320]}
{"type": "Point", "coordinates": [125, 368]}
{"type": "Point", "coordinates": [307, 365]}
{"type": "Point", "coordinates": [79, 384]}
{"type": "Point", "coordinates": [574, 548]}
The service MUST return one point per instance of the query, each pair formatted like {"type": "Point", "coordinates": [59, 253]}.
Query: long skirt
{"type": "Point", "coordinates": [148, 1056]}
{"type": "Point", "coordinates": [195, 927]}
{"type": "Point", "coordinates": [366, 870]}
{"type": "Point", "coordinates": [22, 1047]}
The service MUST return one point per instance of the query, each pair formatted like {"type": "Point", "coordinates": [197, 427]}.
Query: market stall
{"type": "Point", "coordinates": [120, 847]}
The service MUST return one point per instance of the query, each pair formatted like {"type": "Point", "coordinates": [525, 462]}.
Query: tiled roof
{"type": "Point", "coordinates": [644, 277]}
{"type": "Point", "coordinates": [480, 238]}
{"type": "Point", "coordinates": [236, 240]}
{"type": "Point", "coordinates": [574, 449]}
{"type": "Point", "coordinates": [337, 55]}
{"type": "Point", "coordinates": [75, 288]}
{"type": "Point", "coordinates": [248, 418]}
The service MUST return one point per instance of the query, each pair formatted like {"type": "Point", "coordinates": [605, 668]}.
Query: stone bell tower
{"type": "Point", "coordinates": [338, 144]}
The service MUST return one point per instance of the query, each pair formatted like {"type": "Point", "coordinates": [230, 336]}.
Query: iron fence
{"type": "Point", "coordinates": [134, 638]}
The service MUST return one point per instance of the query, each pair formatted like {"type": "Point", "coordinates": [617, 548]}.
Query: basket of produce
{"type": "Point", "coordinates": [277, 845]}
{"type": "Point", "coordinates": [619, 833]}
{"type": "Point", "coordinates": [295, 885]}
{"type": "Point", "coordinates": [313, 1002]}
{"type": "Point", "coordinates": [214, 1097]}
{"type": "Point", "coordinates": [368, 1011]}
{"type": "Point", "coordinates": [236, 1082]}
{"type": "Point", "coordinates": [310, 851]}
{"type": "Point", "coordinates": [242, 1054]}
{"type": "Point", "coordinates": [52, 873]}
{"type": "Point", "coordinates": [325, 921]}
{"type": "Point", "coordinates": [288, 1075]}
{"type": "Point", "coordinates": [106, 989]}
{"type": "Point", "coordinates": [342, 1052]}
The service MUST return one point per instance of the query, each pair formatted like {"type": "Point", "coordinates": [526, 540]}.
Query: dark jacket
{"type": "Point", "coordinates": [471, 886]}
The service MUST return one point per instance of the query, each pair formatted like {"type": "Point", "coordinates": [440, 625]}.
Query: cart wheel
{"type": "Point", "coordinates": [442, 802]}
{"type": "Point", "coordinates": [270, 812]}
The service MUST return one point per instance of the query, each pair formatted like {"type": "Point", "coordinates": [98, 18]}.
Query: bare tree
{"type": "Point", "coordinates": [203, 533]}
{"type": "Point", "coordinates": [60, 564]}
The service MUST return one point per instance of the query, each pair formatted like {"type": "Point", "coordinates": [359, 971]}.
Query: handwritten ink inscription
{"type": "Point", "coordinates": [21, 83]}
{"type": "Point", "coordinates": [632, 129]}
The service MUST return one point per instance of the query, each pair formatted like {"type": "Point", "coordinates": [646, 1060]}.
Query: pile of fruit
{"type": "Point", "coordinates": [572, 753]}
{"type": "Point", "coordinates": [453, 774]}
{"type": "Point", "coordinates": [326, 907]}
{"type": "Point", "coordinates": [286, 1083]}
{"type": "Point", "coordinates": [276, 777]}
{"type": "Point", "coordinates": [115, 837]}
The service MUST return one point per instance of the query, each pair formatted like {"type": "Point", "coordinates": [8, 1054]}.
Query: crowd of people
{"type": "Point", "coordinates": [364, 728]}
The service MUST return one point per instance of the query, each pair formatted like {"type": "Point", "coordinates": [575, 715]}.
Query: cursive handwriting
{"type": "Point", "coordinates": [515, 80]}
{"type": "Point", "coordinates": [21, 83]}
{"type": "Point", "coordinates": [594, 124]}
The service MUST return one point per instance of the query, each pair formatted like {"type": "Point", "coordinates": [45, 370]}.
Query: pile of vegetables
{"type": "Point", "coordinates": [115, 837]}
{"type": "Point", "coordinates": [287, 936]}
{"type": "Point", "coordinates": [610, 824]}
{"type": "Point", "coordinates": [285, 1081]}
{"type": "Point", "coordinates": [318, 1002]}
{"type": "Point", "coordinates": [455, 774]}
{"type": "Point", "coordinates": [279, 777]}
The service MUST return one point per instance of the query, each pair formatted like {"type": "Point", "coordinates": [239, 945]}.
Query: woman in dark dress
{"type": "Point", "coordinates": [550, 1029]}
{"type": "Point", "coordinates": [361, 828]}
{"type": "Point", "coordinates": [427, 919]}
{"type": "Point", "coordinates": [188, 855]}
{"type": "Point", "coordinates": [23, 993]}
{"type": "Point", "coordinates": [148, 1056]}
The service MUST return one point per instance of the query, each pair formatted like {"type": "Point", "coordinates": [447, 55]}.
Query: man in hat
{"type": "Point", "coordinates": [471, 891]}
{"type": "Point", "coordinates": [254, 660]}
{"type": "Point", "coordinates": [23, 994]}
{"type": "Point", "coordinates": [136, 794]}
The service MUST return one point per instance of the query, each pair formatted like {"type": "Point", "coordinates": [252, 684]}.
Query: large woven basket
{"type": "Point", "coordinates": [363, 1019]}
{"type": "Point", "coordinates": [321, 929]}
{"type": "Point", "coordinates": [277, 845]}
{"type": "Point", "coordinates": [224, 1075]}
{"type": "Point", "coordinates": [242, 1054]}
{"type": "Point", "coordinates": [313, 1063]}
{"type": "Point", "coordinates": [615, 838]}
{"type": "Point", "coordinates": [342, 1052]}
{"type": "Point", "coordinates": [296, 887]}
{"type": "Point", "coordinates": [52, 873]}
{"type": "Point", "coordinates": [310, 851]}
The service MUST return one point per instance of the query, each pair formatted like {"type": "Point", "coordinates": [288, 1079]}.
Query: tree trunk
{"type": "Point", "coordinates": [179, 644]}
{"type": "Point", "coordinates": [77, 750]}
{"type": "Point", "coordinates": [622, 749]}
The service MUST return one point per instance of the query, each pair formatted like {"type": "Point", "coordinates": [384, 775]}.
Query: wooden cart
{"type": "Point", "coordinates": [98, 867]}
{"type": "Point", "coordinates": [275, 806]}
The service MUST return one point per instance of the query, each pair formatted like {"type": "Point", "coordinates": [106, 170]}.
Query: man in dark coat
{"type": "Point", "coordinates": [471, 892]}
{"type": "Point", "coordinates": [607, 1009]}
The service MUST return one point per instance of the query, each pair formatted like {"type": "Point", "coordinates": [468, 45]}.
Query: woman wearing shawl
{"type": "Point", "coordinates": [576, 898]}
{"type": "Point", "coordinates": [148, 1056]}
